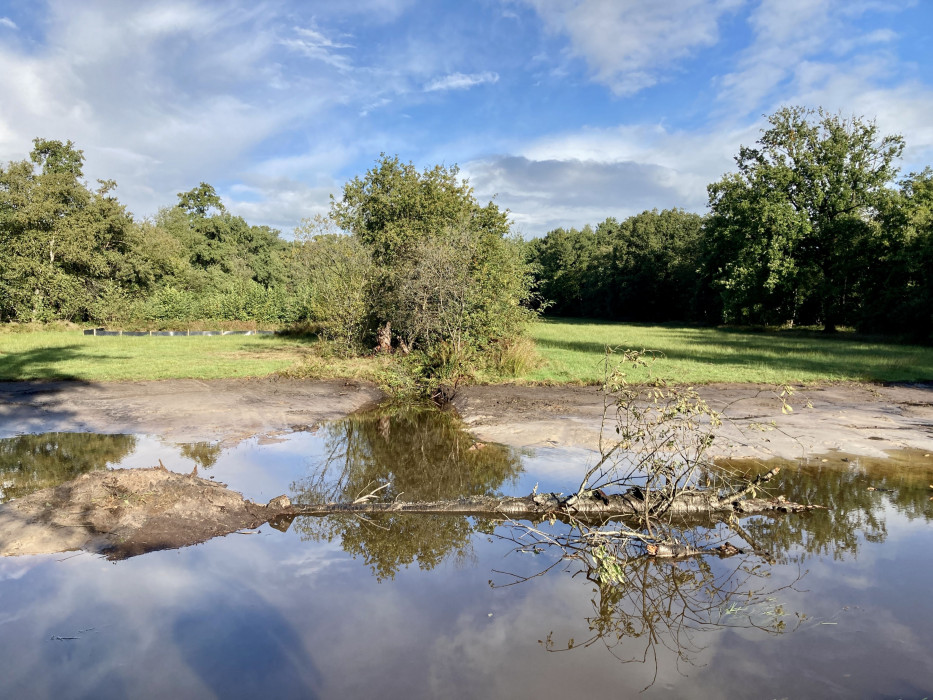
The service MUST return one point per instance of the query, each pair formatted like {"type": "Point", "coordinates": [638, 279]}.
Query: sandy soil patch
{"type": "Point", "coordinates": [126, 512]}
{"type": "Point", "coordinates": [858, 419]}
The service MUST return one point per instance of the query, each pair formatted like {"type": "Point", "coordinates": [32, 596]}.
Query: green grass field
{"type": "Point", "coordinates": [572, 352]}
{"type": "Point", "coordinates": [72, 355]}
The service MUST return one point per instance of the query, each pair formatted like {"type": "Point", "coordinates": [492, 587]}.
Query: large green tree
{"type": "Point", "coordinates": [393, 207]}
{"type": "Point", "coordinates": [898, 285]}
{"type": "Point", "coordinates": [447, 269]}
{"type": "Point", "coordinates": [63, 245]}
{"type": "Point", "coordinates": [788, 233]}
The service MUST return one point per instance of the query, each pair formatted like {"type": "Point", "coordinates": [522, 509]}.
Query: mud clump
{"type": "Point", "coordinates": [125, 512]}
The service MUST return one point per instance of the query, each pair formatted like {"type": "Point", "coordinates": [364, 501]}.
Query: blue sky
{"type": "Point", "coordinates": [567, 111]}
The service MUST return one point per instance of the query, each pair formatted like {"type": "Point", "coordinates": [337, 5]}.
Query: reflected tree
{"type": "Point", "coordinates": [203, 454]}
{"type": "Point", "coordinates": [29, 463]}
{"type": "Point", "coordinates": [645, 608]}
{"type": "Point", "coordinates": [415, 453]}
{"type": "Point", "coordinates": [856, 492]}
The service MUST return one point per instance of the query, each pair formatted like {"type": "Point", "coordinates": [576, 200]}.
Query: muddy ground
{"type": "Point", "coordinates": [122, 513]}
{"type": "Point", "coordinates": [179, 410]}
{"type": "Point", "coordinates": [858, 419]}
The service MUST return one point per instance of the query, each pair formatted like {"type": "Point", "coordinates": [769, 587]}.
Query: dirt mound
{"type": "Point", "coordinates": [125, 512]}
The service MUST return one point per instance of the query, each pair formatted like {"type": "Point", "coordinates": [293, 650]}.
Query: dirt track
{"type": "Point", "coordinates": [858, 419]}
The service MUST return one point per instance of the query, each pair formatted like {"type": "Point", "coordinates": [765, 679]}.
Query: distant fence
{"type": "Point", "coordinates": [104, 331]}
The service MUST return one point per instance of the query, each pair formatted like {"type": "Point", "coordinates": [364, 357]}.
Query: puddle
{"type": "Point", "coordinates": [403, 607]}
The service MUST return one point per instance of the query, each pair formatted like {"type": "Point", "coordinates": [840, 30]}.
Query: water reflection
{"type": "Point", "coordinates": [203, 454]}
{"type": "Point", "coordinates": [325, 627]}
{"type": "Point", "coordinates": [29, 463]}
{"type": "Point", "coordinates": [415, 453]}
{"type": "Point", "coordinates": [857, 494]}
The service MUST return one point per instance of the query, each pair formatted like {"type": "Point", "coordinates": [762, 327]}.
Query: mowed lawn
{"type": "Point", "coordinates": [574, 351]}
{"type": "Point", "coordinates": [73, 355]}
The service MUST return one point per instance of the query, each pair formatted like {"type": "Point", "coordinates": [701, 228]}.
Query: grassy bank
{"type": "Point", "coordinates": [574, 351]}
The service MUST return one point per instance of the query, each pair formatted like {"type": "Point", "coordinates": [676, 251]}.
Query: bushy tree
{"type": "Point", "coordinates": [335, 283]}
{"type": "Point", "coordinates": [394, 207]}
{"type": "Point", "coordinates": [898, 285]}
{"type": "Point", "coordinates": [448, 272]}
{"type": "Point", "coordinates": [217, 239]}
{"type": "Point", "coordinates": [788, 231]}
{"type": "Point", "coordinates": [572, 269]}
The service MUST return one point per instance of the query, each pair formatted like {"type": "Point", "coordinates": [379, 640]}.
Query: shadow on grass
{"type": "Point", "coordinates": [29, 381]}
{"type": "Point", "coordinates": [44, 363]}
{"type": "Point", "coordinates": [801, 351]}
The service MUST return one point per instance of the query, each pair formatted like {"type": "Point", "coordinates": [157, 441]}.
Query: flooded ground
{"type": "Point", "coordinates": [421, 606]}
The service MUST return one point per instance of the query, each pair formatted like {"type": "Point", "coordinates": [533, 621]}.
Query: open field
{"type": "Point", "coordinates": [72, 355]}
{"type": "Point", "coordinates": [574, 351]}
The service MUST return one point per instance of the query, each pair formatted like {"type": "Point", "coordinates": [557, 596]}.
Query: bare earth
{"type": "Point", "coordinates": [857, 419]}
{"type": "Point", "coordinates": [125, 512]}
{"type": "Point", "coordinates": [179, 410]}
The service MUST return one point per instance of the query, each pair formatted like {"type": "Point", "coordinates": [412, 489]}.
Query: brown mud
{"type": "Point", "coordinates": [863, 419]}
{"type": "Point", "coordinates": [125, 512]}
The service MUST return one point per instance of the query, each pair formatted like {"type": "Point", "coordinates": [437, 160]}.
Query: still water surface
{"type": "Point", "coordinates": [418, 606]}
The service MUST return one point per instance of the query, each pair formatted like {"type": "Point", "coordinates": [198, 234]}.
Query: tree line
{"type": "Point", "coordinates": [812, 229]}
{"type": "Point", "coordinates": [412, 253]}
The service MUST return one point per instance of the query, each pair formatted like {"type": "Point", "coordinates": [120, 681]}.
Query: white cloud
{"type": "Point", "coordinates": [790, 35]}
{"type": "Point", "coordinates": [461, 81]}
{"type": "Point", "coordinates": [545, 194]}
{"type": "Point", "coordinates": [8, 23]}
{"type": "Point", "coordinates": [279, 202]}
{"type": "Point", "coordinates": [583, 177]}
{"type": "Point", "coordinates": [159, 99]}
{"type": "Point", "coordinates": [897, 109]}
{"type": "Point", "coordinates": [630, 44]}
{"type": "Point", "coordinates": [786, 33]}
{"type": "Point", "coordinates": [312, 43]}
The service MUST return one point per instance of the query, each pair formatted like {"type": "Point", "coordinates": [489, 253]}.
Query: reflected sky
{"type": "Point", "coordinates": [277, 613]}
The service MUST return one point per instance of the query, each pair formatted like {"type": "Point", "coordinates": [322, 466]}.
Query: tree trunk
{"type": "Point", "coordinates": [589, 504]}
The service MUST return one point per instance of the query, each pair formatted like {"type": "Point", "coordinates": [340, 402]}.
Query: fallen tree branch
{"type": "Point", "coordinates": [685, 503]}
{"type": "Point", "coordinates": [751, 487]}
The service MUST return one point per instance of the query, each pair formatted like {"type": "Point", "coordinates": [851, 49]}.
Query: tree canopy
{"type": "Point", "coordinates": [63, 244]}
{"type": "Point", "coordinates": [790, 228]}
{"type": "Point", "coordinates": [393, 207]}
